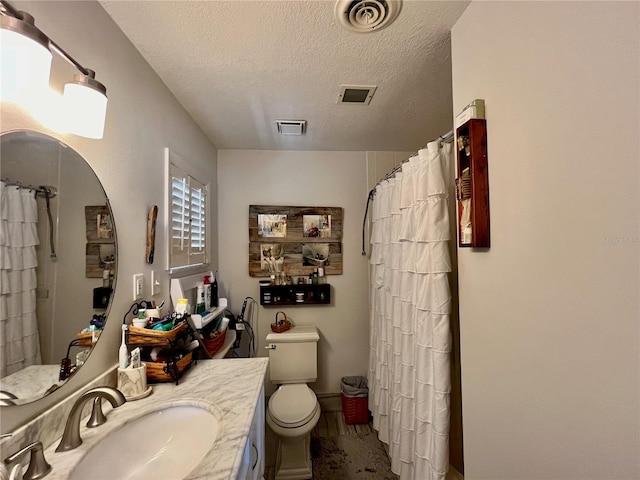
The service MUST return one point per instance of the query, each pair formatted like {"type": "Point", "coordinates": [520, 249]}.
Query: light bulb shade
{"type": "Point", "coordinates": [85, 103]}
{"type": "Point", "coordinates": [25, 61]}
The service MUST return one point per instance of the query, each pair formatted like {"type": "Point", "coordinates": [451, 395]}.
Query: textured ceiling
{"type": "Point", "coordinates": [237, 66]}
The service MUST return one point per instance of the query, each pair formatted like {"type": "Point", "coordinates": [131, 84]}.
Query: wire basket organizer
{"type": "Point", "coordinates": [86, 339]}
{"type": "Point", "coordinates": [169, 370]}
{"type": "Point", "coordinates": [145, 336]}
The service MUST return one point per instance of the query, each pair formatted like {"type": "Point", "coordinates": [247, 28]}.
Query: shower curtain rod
{"type": "Point", "coordinates": [48, 192]}
{"type": "Point", "coordinates": [43, 190]}
{"type": "Point", "coordinates": [445, 138]}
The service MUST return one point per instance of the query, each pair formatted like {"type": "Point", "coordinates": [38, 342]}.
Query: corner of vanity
{"type": "Point", "coordinates": [232, 389]}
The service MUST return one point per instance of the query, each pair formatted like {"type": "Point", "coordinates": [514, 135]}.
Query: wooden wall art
{"type": "Point", "coordinates": [296, 240]}
{"type": "Point", "coordinates": [101, 244]}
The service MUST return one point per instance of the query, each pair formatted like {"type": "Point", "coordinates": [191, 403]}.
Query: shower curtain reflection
{"type": "Point", "coordinates": [410, 339]}
{"type": "Point", "coordinates": [19, 343]}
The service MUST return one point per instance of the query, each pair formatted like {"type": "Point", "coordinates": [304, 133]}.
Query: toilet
{"type": "Point", "coordinates": [293, 410]}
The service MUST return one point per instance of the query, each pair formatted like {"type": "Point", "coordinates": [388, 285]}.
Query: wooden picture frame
{"type": "Point", "coordinates": [101, 248]}
{"type": "Point", "coordinates": [312, 238]}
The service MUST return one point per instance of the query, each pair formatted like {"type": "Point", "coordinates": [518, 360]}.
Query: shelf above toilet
{"type": "Point", "coordinates": [278, 295]}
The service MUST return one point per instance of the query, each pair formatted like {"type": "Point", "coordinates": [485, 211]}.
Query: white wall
{"type": "Point", "coordinates": [328, 179]}
{"type": "Point", "coordinates": [550, 314]}
{"type": "Point", "coordinates": [143, 118]}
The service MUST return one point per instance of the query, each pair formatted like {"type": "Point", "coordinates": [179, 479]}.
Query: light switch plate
{"type": "Point", "coordinates": [155, 284]}
{"type": "Point", "coordinates": [138, 286]}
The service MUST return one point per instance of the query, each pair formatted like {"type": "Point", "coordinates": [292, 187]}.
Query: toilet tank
{"type": "Point", "coordinates": [295, 356]}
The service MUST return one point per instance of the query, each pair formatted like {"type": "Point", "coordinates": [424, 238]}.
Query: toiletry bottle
{"type": "Point", "coordinates": [123, 353]}
{"type": "Point", "coordinates": [214, 291]}
{"type": "Point", "coordinates": [105, 277]}
{"type": "Point", "coordinates": [200, 298]}
{"type": "Point", "coordinates": [207, 292]}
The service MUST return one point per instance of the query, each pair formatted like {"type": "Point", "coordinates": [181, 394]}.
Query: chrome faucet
{"type": "Point", "coordinates": [71, 436]}
{"type": "Point", "coordinates": [38, 466]}
{"type": "Point", "coordinates": [7, 398]}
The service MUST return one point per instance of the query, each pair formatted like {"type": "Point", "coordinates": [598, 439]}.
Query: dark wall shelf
{"type": "Point", "coordinates": [472, 185]}
{"type": "Point", "coordinates": [278, 295]}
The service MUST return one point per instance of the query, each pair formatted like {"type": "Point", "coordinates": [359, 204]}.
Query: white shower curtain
{"type": "Point", "coordinates": [19, 343]}
{"type": "Point", "coordinates": [409, 370]}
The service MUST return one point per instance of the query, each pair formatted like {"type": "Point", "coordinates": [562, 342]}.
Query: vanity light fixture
{"type": "Point", "coordinates": [86, 99]}
{"type": "Point", "coordinates": [26, 58]}
{"type": "Point", "coordinates": [26, 68]}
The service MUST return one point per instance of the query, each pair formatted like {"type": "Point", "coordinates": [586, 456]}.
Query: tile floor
{"type": "Point", "coordinates": [331, 424]}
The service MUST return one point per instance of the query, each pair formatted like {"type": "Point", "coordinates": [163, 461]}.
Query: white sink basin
{"type": "Point", "coordinates": [165, 444]}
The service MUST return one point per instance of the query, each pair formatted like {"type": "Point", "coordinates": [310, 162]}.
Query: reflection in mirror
{"type": "Point", "coordinates": [57, 260]}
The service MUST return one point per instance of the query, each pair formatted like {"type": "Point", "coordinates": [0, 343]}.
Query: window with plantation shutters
{"type": "Point", "coordinates": [187, 219]}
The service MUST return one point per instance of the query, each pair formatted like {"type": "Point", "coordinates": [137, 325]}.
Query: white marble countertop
{"type": "Point", "coordinates": [31, 382]}
{"type": "Point", "coordinates": [230, 388]}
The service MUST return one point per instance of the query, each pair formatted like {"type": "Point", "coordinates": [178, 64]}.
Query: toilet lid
{"type": "Point", "coordinates": [292, 405]}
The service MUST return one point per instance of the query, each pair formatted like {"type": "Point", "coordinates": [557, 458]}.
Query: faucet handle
{"type": "Point", "coordinates": [38, 466]}
{"type": "Point", "coordinates": [97, 416]}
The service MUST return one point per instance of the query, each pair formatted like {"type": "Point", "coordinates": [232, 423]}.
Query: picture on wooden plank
{"type": "Point", "coordinates": [272, 226]}
{"type": "Point", "coordinates": [315, 254]}
{"type": "Point", "coordinates": [104, 225]}
{"type": "Point", "coordinates": [272, 257]}
{"type": "Point", "coordinates": [99, 224]}
{"type": "Point", "coordinates": [294, 240]}
{"type": "Point", "coordinates": [316, 226]}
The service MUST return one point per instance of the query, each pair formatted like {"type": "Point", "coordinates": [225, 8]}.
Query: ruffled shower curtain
{"type": "Point", "coordinates": [19, 343]}
{"type": "Point", "coordinates": [409, 370]}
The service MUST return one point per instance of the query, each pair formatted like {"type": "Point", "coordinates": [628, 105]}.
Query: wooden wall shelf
{"type": "Point", "coordinates": [278, 295]}
{"type": "Point", "coordinates": [472, 184]}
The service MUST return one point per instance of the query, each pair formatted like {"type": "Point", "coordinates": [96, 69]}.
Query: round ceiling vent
{"type": "Point", "coordinates": [364, 16]}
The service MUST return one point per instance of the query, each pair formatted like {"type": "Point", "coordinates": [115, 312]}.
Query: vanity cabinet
{"type": "Point", "coordinates": [253, 457]}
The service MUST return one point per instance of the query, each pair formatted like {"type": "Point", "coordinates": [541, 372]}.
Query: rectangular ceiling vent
{"type": "Point", "coordinates": [356, 94]}
{"type": "Point", "coordinates": [291, 127]}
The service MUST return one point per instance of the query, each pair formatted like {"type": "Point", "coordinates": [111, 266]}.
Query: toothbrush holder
{"type": "Point", "coordinates": [132, 382]}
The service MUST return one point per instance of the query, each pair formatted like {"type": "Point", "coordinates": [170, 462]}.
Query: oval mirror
{"type": "Point", "coordinates": [57, 260]}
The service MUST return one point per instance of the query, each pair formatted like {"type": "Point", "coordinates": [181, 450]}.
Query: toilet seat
{"type": "Point", "coordinates": [293, 405]}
